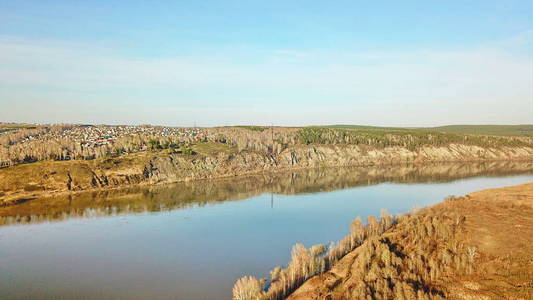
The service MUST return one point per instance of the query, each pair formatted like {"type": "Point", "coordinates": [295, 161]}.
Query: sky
{"type": "Point", "coordinates": [389, 63]}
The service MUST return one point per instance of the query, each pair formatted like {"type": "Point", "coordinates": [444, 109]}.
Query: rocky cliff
{"type": "Point", "coordinates": [174, 168]}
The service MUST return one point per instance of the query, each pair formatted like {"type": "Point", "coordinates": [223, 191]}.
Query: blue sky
{"type": "Point", "coordinates": [404, 63]}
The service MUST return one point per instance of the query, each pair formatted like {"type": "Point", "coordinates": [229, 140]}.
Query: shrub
{"type": "Point", "coordinates": [247, 287]}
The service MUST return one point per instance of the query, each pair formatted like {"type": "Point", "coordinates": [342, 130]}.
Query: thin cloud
{"type": "Point", "coordinates": [491, 79]}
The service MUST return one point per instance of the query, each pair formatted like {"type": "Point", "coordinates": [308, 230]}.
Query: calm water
{"type": "Point", "coordinates": [192, 241]}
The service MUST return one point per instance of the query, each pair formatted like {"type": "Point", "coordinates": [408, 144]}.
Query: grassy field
{"type": "Point", "coordinates": [499, 130]}
{"type": "Point", "coordinates": [361, 127]}
{"type": "Point", "coordinates": [210, 148]}
{"type": "Point", "coordinates": [504, 130]}
{"type": "Point", "coordinates": [253, 128]}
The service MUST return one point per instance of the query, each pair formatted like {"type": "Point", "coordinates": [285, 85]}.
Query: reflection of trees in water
{"type": "Point", "coordinates": [200, 193]}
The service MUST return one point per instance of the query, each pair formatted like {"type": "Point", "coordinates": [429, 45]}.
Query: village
{"type": "Point", "coordinates": [99, 135]}
{"type": "Point", "coordinates": [35, 142]}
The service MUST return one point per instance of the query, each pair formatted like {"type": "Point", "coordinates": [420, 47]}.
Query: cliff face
{"type": "Point", "coordinates": [356, 155]}
{"type": "Point", "coordinates": [24, 182]}
{"type": "Point", "coordinates": [180, 168]}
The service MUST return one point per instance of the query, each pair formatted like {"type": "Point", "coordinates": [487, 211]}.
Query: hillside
{"type": "Point", "coordinates": [51, 159]}
{"type": "Point", "coordinates": [23, 143]}
{"type": "Point", "coordinates": [479, 246]}
{"type": "Point", "coordinates": [475, 247]}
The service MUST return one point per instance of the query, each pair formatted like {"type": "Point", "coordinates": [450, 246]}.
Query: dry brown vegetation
{"type": "Point", "coordinates": [25, 144]}
{"type": "Point", "coordinates": [306, 263]}
{"type": "Point", "coordinates": [475, 247]}
{"type": "Point", "coordinates": [268, 139]}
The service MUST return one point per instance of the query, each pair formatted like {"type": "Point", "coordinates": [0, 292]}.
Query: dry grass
{"type": "Point", "coordinates": [210, 148]}
{"type": "Point", "coordinates": [474, 247]}
{"type": "Point", "coordinates": [32, 180]}
{"type": "Point", "coordinates": [306, 263]}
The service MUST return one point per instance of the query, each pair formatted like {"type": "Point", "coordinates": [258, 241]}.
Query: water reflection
{"type": "Point", "coordinates": [200, 193]}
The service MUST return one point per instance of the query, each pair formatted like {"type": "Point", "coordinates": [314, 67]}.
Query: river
{"type": "Point", "coordinates": [191, 241]}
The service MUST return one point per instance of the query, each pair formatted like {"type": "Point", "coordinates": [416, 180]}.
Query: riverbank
{"type": "Point", "coordinates": [143, 198]}
{"type": "Point", "coordinates": [479, 246]}
{"type": "Point", "coordinates": [48, 178]}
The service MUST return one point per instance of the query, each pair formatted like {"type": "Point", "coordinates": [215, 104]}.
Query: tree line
{"type": "Point", "coordinates": [45, 143]}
